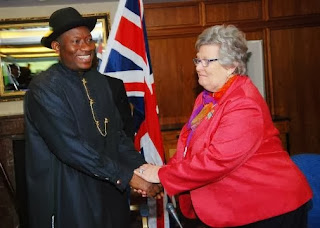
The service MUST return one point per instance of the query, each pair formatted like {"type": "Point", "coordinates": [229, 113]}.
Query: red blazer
{"type": "Point", "coordinates": [235, 171]}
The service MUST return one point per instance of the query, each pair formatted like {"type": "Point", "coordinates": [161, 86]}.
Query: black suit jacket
{"type": "Point", "coordinates": [121, 100]}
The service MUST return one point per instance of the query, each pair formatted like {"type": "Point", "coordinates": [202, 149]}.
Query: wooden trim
{"type": "Point", "coordinates": [11, 125]}
{"type": "Point", "coordinates": [265, 10]}
{"type": "Point", "coordinates": [268, 69]}
{"type": "Point", "coordinates": [246, 26]}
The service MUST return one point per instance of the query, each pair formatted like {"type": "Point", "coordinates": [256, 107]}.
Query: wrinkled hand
{"type": "Point", "coordinates": [146, 188]}
{"type": "Point", "coordinates": [148, 172]}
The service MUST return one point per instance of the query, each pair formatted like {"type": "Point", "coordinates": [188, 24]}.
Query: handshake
{"type": "Point", "coordinates": [145, 181]}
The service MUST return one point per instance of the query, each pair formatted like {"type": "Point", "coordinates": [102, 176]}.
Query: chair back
{"type": "Point", "coordinates": [309, 164]}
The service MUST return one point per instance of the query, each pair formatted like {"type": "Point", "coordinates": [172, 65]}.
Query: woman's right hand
{"type": "Point", "coordinates": [148, 172]}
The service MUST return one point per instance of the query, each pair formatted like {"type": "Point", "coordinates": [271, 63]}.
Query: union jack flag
{"type": "Point", "coordinates": [126, 56]}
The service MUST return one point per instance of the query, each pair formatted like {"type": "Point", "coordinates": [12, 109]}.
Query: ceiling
{"type": "Point", "coordinates": [21, 3]}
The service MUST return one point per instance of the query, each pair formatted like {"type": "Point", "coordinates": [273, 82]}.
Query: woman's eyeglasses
{"type": "Point", "coordinates": [204, 62]}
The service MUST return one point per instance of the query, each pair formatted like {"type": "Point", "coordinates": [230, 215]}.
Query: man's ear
{"type": "Point", "coordinates": [55, 45]}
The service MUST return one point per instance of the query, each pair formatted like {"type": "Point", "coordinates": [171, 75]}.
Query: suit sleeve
{"type": "Point", "coordinates": [47, 111]}
{"type": "Point", "coordinates": [238, 136]}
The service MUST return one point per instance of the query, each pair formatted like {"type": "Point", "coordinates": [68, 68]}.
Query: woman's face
{"type": "Point", "coordinates": [214, 76]}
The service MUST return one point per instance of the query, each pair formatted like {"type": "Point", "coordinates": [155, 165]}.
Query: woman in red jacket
{"type": "Point", "coordinates": [230, 168]}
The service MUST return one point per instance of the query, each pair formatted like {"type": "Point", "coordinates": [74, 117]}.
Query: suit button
{"type": "Point", "coordinates": [118, 182]}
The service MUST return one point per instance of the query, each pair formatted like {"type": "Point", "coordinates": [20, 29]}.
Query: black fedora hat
{"type": "Point", "coordinates": [63, 20]}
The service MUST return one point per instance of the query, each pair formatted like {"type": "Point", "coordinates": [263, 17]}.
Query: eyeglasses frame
{"type": "Point", "coordinates": [204, 62]}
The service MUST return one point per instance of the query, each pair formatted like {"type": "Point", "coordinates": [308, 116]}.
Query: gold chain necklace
{"type": "Point", "coordinates": [91, 102]}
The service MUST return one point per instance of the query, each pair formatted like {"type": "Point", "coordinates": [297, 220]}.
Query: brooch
{"type": "Point", "coordinates": [210, 114]}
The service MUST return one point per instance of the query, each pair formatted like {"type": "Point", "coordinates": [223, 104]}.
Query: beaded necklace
{"type": "Point", "coordinates": [91, 102]}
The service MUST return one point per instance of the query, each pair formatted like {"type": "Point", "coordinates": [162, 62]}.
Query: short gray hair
{"type": "Point", "coordinates": [232, 43]}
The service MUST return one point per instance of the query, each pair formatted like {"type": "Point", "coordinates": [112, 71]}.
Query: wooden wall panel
{"type": "Point", "coordinates": [295, 63]}
{"type": "Point", "coordinates": [8, 215]}
{"type": "Point", "coordinates": [232, 11]}
{"type": "Point", "coordinates": [175, 78]}
{"type": "Point", "coordinates": [254, 35]}
{"type": "Point", "coordinates": [10, 127]}
{"type": "Point", "coordinates": [174, 15]}
{"type": "Point", "coordinates": [285, 8]}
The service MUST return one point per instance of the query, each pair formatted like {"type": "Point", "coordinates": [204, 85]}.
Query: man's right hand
{"type": "Point", "coordinates": [146, 188]}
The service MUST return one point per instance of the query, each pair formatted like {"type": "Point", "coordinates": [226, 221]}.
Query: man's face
{"type": "Point", "coordinates": [76, 48]}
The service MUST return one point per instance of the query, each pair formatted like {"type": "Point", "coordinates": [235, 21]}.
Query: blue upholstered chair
{"type": "Point", "coordinates": [309, 164]}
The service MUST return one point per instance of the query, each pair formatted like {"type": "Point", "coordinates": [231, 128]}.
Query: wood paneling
{"type": "Point", "coordinates": [10, 127]}
{"type": "Point", "coordinates": [232, 11]}
{"type": "Point", "coordinates": [175, 78]}
{"type": "Point", "coordinates": [283, 125]}
{"type": "Point", "coordinates": [255, 35]}
{"type": "Point", "coordinates": [172, 15]}
{"type": "Point", "coordinates": [285, 8]}
{"type": "Point", "coordinates": [170, 139]}
{"type": "Point", "coordinates": [295, 64]}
